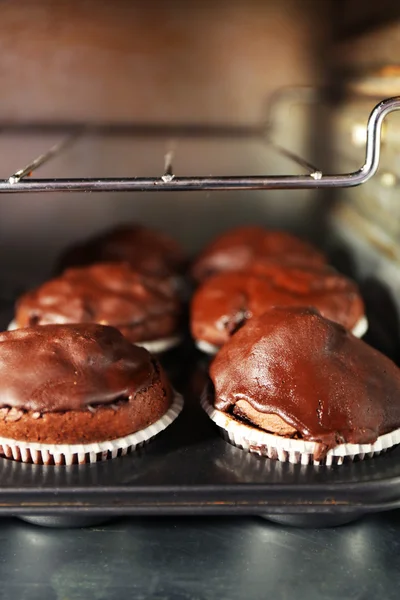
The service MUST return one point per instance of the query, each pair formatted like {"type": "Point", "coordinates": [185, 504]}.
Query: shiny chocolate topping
{"type": "Point", "coordinates": [146, 250]}
{"type": "Point", "coordinates": [56, 368]}
{"type": "Point", "coordinates": [238, 248]}
{"type": "Point", "coordinates": [109, 294]}
{"type": "Point", "coordinates": [223, 303]}
{"type": "Point", "coordinates": [330, 386]}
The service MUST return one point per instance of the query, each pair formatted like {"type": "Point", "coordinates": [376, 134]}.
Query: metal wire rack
{"type": "Point", "coordinates": [19, 182]}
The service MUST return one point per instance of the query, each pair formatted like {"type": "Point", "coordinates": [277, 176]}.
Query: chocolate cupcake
{"type": "Point", "coordinates": [78, 393]}
{"type": "Point", "coordinates": [146, 250]}
{"type": "Point", "coordinates": [223, 303]}
{"type": "Point", "coordinates": [145, 309]}
{"type": "Point", "coordinates": [237, 249]}
{"type": "Point", "coordinates": [294, 386]}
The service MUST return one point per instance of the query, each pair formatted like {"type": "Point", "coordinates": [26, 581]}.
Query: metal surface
{"type": "Point", "coordinates": [142, 184]}
{"type": "Point", "coordinates": [201, 559]}
{"type": "Point", "coordinates": [66, 522]}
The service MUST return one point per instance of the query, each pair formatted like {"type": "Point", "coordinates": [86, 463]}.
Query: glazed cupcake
{"type": "Point", "coordinates": [145, 309]}
{"type": "Point", "coordinates": [237, 249]}
{"type": "Point", "coordinates": [78, 393]}
{"type": "Point", "coordinates": [224, 302]}
{"type": "Point", "coordinates": [294, 386]}
{"type": "Point", "coordinates": [146, 250]}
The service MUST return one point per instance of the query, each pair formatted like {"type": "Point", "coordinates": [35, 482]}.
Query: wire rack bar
{"type": "Point", "coordinates": [314, 179]}
{"type": "Point", "coordinates": [145, 130]}
{"type": "Point", "coordinates": [42, 159]}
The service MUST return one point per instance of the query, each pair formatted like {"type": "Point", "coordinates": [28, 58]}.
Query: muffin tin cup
{"type": "Point", "coordinates": [154, 346]}
{"type": "Point", "coordinates": [290, 450]}
{"type": "Point", "coordinates": [69, 454]}
{"type": "Point", "coordinates": [359, 330]}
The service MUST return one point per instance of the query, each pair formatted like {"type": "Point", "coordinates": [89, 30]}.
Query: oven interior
{"type": "Point", "coordinates": [230, 88]}
{"type": "Point", "coordinates": [200, 82]}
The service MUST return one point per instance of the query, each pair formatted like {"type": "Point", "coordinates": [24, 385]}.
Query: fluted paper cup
{"type": "Point", "coordinates": [290, 450]}
{"type": "Point", "coordinates": [68, 454]}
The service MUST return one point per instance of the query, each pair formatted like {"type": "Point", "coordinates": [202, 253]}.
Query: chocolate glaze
{"type": "Point", "coordinates": [238, 248]}
{"type": "Point", "coordinates": [146, 250]}
{"type": "Point", "coordinates": [226, 301]}
{"type": "Point", "coordinates": [330, 386]}
{"type": "Point", "coordinates": [143, 308]}
{"type": "Point", "coordinates": [70, 367]}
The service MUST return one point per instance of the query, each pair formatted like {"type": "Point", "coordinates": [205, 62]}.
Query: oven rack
{"type": "Point", "coordinates": [21, 182]}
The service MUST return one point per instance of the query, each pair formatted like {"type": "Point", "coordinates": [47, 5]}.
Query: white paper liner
{"type": "Point", "coordinates": [153, 346]}
{"type": "Point", "coordinates": [68, 454]}
{"type": "Point", "coordinates": [161, 345]}
{"type": "Point", "coordinates": [359, 330]}
{"type": "Point", "coordinates": [290, 450]}
{"type": "Point", "coordinates": [206, 347]}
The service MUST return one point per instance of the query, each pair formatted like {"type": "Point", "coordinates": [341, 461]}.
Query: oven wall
{"type": "Point", "coordinates": [364, 227]}
{"type": "Point", "coordinates": [370, 71]}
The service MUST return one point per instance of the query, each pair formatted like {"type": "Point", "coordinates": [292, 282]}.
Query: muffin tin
{"type": "Point", "coordinates": [190, 470]}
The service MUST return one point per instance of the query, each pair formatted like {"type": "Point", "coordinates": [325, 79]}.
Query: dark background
{"type": "Point", "coordinates": [201, 559]}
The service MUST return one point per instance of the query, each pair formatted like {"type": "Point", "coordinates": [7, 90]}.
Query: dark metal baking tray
{"type": "Point", "coordinates": [189, 469]}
